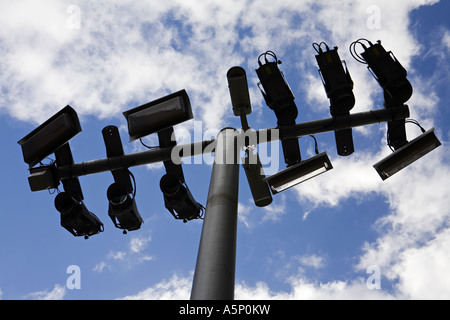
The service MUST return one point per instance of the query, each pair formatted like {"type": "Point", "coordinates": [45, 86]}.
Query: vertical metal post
{"type": "Point", "coordinates": [214, 276]}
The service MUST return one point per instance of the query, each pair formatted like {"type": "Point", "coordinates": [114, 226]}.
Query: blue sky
{"type": "Point", "coordinates": [316, 240]}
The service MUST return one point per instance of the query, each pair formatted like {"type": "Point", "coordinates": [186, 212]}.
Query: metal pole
{"type": "Point", "coordinates": [336, 123]}
{"type": "Point", "coordinates": [214, 276]}
{"type": "Point", "coordinates": [345, 122]}
{"type": "Point", "coordinates": [263, 136]}
{"type": "Point", "coordinates": [134, 160]}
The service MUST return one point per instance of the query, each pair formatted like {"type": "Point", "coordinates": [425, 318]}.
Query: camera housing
{"type": "Point", "coordinates": [238, 86]}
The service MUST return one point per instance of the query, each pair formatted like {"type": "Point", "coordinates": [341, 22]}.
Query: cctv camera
{"type": "Point", "coordinates": [240, 97]}
{"type": "Point", "coordinates": [256, 180]}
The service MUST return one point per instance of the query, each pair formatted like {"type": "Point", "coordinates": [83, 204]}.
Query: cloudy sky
{"type": "Point", "coordinates": [343, 235]}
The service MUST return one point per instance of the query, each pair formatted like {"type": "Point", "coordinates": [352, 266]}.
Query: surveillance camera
{"type": "Point", "coordinates": [76, 218]}
{"type": "Point", "coordinates": [122, 208]}
{"type": "Point", "coordinates": [256, 180]}
{"type": "Point", "coordinates": [43, 178]}
{"type": "Point", "coordinates": [240, 97]}
{"type": "Point", "coordinates": [50, 136]}
{"type": "Point", "coordinates": [178, 199]}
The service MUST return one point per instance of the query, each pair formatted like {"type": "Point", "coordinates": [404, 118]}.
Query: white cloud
{"type": "Point", "coordinates": [245, 213]}
{"type": "Point", "coordinates": [137, 244]}
{"type": "Point", "coordinates": [117, 255]}
{"type": "Point", "coordinates": [179, 288]}
{"type": "Point", "coordinates": [155, 166]}
{"type": "Point", "coordinates": [57, 293]}
{"type": "Point", "coordinates": [412, 249]}
{"type": "Point", "coordinates": [313, 260]}
{"type": "Point", "coordinates": [304, 289]}
{"type": "Point", "coordinates": [176, 288]}
{"type": "Point", "coordinates": [99, 267]}
{"type": "Point", "coordinates": [146, 258]}
{"type": "Point", "coordinates": [127, 53]}
{"type": "Point", "coordinates": [422, 271]}
{"type": "Point", "coordinates": [275, 210]}
{"type": "Point", "coordinates": [446, 39]}
{"type": "Point", "coordinates": [419, 203]}
{"type": "Point", "coordinates": [121, 54]}
{"type": "Point", "coordinates": [414, 229]}
{"type": "Point", "coordinates": [418, 218]}
{"type": "Point", "coordinates": [133, 255]}
{"type": "Point", "coordinates": [271, 213]}
{"type": "Point", "coordinates": [351, 177]}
